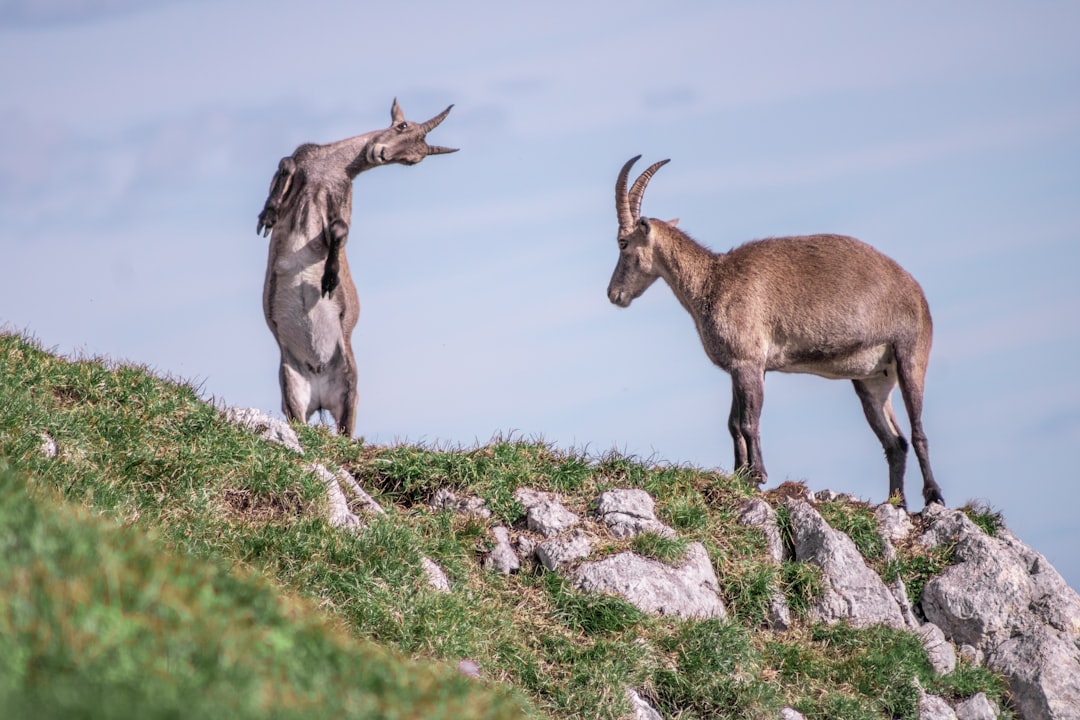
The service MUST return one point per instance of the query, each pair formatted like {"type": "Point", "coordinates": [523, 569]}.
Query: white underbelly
{"type": "Point", "coordinates": [308, 325]}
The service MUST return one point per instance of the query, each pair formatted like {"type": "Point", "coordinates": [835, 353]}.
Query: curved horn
{"type": "Point", "coordinates": [622, 202]}
{"type": "Point", "coordinates": [439, 150]}
{"type": "Point", "coordinates": [434, 122]}
{"type": "Point", "coordinates": [637, 191]}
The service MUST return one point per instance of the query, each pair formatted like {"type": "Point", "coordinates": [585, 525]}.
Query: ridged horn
{"type": "Point", "coordinates": [439, 150]}
{"type": "Point", "coordinates": [637, 191]}
{"type": "Point", "coordinates": [434, 122]}
{"type": "Point", "coordinates": [622, 201]}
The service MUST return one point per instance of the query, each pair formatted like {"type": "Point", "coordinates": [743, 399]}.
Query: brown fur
{"type": "Point", "coordinates": [829, 305]}
{"type": "Point", "coordinates": [309, 298]}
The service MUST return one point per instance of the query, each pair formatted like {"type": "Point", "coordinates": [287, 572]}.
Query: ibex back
{"type": "Point", "coordinates": [823, 304]}
{"type": "Point", "coordinates": [309, 298]}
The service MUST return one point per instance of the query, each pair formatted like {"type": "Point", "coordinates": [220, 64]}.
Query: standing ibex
{"type": "Point", "coordinates": [309, 298]}
{"type": "Point", "coordinates": [822, 304]}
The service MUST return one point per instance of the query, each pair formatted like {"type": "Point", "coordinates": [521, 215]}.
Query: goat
{"type": "Point", "coordinates": [828, 305]}
{"type": "Point", "coordinates": [309, 298]}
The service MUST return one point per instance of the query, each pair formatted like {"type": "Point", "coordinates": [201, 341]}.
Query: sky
{"type": "Point", "coordinates": [139, 140]}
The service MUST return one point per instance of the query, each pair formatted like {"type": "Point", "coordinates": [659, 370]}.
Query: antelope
{"type": "Point", "coordinates": [828, 305]}
{"type": "Point", "coordinates": [309, 298]}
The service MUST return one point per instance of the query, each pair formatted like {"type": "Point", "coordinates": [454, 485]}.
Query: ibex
{"type": "Point", "coordinates": [823, 304]}
{"type": "Point", "coordinates": [309, 298]}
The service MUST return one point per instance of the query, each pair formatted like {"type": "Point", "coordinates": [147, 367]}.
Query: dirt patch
{"type": "Point", "coordinates": [245, 505]}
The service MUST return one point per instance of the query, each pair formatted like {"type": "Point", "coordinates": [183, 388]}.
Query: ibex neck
{"type": "Point", "coordinates": [687, 267]}
{"type": "Point", "coordinates": [350, 156]}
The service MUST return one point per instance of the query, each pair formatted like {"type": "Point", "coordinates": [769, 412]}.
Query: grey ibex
{"type": "Point", "coordinates": [822, 304]}
{"type": "Point", "coordinates": [309, 298]}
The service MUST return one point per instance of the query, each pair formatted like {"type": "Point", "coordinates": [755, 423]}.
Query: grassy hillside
{"type": "Point", "coordinates": [165, 563]}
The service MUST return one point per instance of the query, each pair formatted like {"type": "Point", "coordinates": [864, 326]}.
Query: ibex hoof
{"type": "Point", "coordinates": [329, 283]}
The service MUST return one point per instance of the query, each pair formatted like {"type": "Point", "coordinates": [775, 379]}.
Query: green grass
{"type": "Point", "coordinates": [168, 562]}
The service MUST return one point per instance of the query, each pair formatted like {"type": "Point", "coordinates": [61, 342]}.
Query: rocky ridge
{"type": "Point", "coordinates": [999, 603]}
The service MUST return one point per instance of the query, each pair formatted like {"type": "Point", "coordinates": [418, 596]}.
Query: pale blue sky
{"type": "Point", "coordinates": [140, 138]}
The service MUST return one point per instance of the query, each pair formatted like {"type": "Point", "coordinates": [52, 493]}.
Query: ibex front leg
{"type": "Point", "coordinates": [279, 191]}
{"type": "Point", "coordinates": [747, 397]}
{"type": "Point", "coordinates": [334, 236]}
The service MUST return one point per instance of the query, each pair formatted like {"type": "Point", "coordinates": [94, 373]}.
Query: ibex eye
{"type": "Point", "coordinates": [622, 244]}
{"type": "Point", "coordinates": [403, 126]}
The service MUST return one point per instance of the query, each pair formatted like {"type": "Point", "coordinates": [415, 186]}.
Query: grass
{"type": "Point", "coordinates": [171, 563]}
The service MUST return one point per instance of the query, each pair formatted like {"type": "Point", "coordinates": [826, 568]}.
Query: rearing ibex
{"type": "Point", "coordinates": [309, 298]}
{"type": "Point", "coordinates": [822, 304]}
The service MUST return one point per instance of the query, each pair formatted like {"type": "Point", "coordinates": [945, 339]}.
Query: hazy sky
{"type": "Point", "coordinates": [140, 139]}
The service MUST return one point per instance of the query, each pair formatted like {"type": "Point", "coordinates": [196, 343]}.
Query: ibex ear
{"type": "Point", "coordinates": [396, 115]}
{"type": "Point", "coordinates": [673, 222]}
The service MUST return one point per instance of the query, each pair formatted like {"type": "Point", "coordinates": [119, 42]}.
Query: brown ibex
{"type": "Point", "coordinates": [309, 298]}
{"type": "Point", "coordinates": [823, 304]}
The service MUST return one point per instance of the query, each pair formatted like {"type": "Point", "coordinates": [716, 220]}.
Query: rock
{"type": "Point", "coordinates": [791, 714]}
{"type": "Point", "coordinates": [49, 448]}
{"type": "Point", "coordinates": [932, 707]}
{"type": "Point", "coordinates": [1024, 619]}
{"type": "Point", "coordinates": [435, 576]}
{"type": "Point", "coordinates": [852, 591]}
{"type": "Point", "coordinates": [561, 552]}
{"type": "Point", "coordinates": [630, 512]}
{"type": "Point", "coordinates": [941, 652]}
{"type": "Point", "coordinates": [779, 617]}
{"type": "Point", "coordinates": [899, 593]}
{"type": "Point", "coordinates": [760, 514]}
{"type": "Point", "coordinates": [642, 710]}
{"type": "Point", "coordinates": [977, 707]}
{"type": "Point", "coordinates": [550, 518]}
{"type": "Point", "coordinates": [502, 557]}
{"type": "Point", "coordinates": [689, 591]}
{"type": "Point", "coordinates": [894, 525]}
{"type": "Point", "coordinates": [971, 654]}
{"type": "Point", "coordinates": [446, 499]}
{"type": "Point", "coordinates": [529, 497]}
{"type": "Point", "coordinates": [338, 513]}
{"type": "Point", "coordinates": [269, 428]}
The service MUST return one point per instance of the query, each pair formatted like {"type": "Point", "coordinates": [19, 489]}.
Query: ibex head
{"type": "Point", "coordinates": [404, 141]}
{"type": "Point", "coordinates": [636, 269]}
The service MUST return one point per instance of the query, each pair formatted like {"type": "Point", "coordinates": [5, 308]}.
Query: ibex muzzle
{"type": "Point", "coordinates": [309, 298]}
{"type": "Point", "coordinates": [823, 304]}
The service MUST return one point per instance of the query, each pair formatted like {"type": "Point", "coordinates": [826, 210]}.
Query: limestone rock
{"type": "Point", "coordinates": [447, 499]}
{"type": "Point", "coordinates": [852, 591]}
{"type": "Point", "coordinates": [1023, 618]}
{"type": "Point", "coordinates": [502, 557]}
{"type": "Point", "coordinates": [941, 652]}
{"type": "Point", "coordinates": [758, 513]}
{"type": "Point", "coordinates": [269, 428]}
{"type": "Point", "coordinates": [630, 512]}
{"type": "Point", "coordinates": [688, 591]}
{"type": "Point", "coordinates": [435, 576]}
{"type": "Point", "coordinates": [642, 710]}
{"type": "Point", "coordinates": [561, 552]}
{"type": "Point", "coordinates": [977, 707]}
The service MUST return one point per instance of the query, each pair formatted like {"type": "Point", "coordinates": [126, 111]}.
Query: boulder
{"type": "Point", "coordinates": [1004, 600]}
{"type": "Point", "coordinates": [690, 590]}
{"type": "Point", "coordinates": [852, 591]}
{"type": "Point", "coordinates": [630, 512]}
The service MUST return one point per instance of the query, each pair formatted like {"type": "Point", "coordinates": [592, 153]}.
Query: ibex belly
{"type": "Point", "coordinates": [307, 325]}
{"type": "Point", "coordinates": [855, 364]}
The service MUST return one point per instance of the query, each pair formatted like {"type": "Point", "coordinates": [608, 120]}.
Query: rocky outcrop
{"type": "Point", "coordinates": [690, 590]}
{"type": "Point", "coordinates": [852, 591]}
{"type": "Point", "coordinates": [1005, 601]}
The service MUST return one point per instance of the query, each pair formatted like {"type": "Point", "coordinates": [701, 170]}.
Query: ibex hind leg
{"type": "Point", "coordinates": [911, 369]}
{"type": "Point", "coordinates": [295, 393]}
{"type": "Point", "coordinates": [876, 396]}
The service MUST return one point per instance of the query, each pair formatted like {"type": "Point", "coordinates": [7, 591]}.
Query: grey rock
{"type": "Point", "coordinates": [852, 591]}
{"type": "Point", "coordinates": [971, 654]}
{"type": "Point", "coordinates": [550, 518]}
{"type": "Point", "coordinates": [690, 590]}
{"type": "Point", "coordinates": [338, 513]}
{"type": "Point", "coordinates": [791, 714]}
{"type": "Point", "coordinates": [526, 546]}
{"type": "Point", "coordinates": [1024, 618]}
{"type": "Point", "coordinates": [932, 707]}
{"type": "Point", "coordinates": [630, 512]}
{"type": "Point", "coordinates": [899, 593]}
{"type": "Point", "coordinates": [941, 652]}
{"type": "Point", "coordinates": [779, 618]}
{"type": "Point", "coordinates": [269, 428]}
{"type": "Point", "coordinates": [894, 525]}
{"type": "Point", "coordinates": [502, 557]}
{"type": "Point", "coordinates": [758, 513]}
{"type": "Point", "coordinates": [529, 497]}
{"type": "Point", "coordinates": [977, 707]}
{"type": "Point", "coordinates": [642, 710]}
{"type": "Point", "coordinates": [49, 448]}
{"type": "Point", "coordinates": [561, 552]}
{"type": "Point", "coordinates": [447, 499]}
{"type": "Point", "coordinates": [435, 576]}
